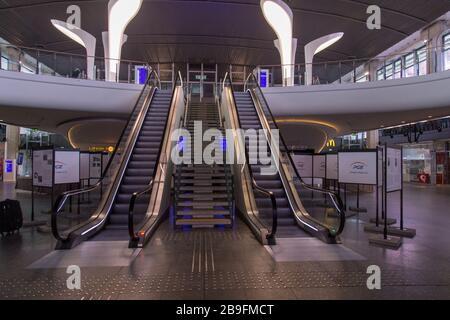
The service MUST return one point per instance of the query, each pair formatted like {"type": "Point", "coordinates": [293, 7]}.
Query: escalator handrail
{"type": "Point", "coordinates": [62, 198]}
{"type": "Point", "coordinates": [149, 188]}
{"type": "Point", "coordinates": [257, 187]}
{"type": "Point", "coordinates": [339, 204]}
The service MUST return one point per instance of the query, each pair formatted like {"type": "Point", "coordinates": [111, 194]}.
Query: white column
{"type": "Point", "coordinates": [313, 48]}
{"type": "Point", "coordinates": [120, 13]}
{"type": "Point", "coordinates": [108, 75]}
{"type": "Point", "coordinates": [279, 16]}
{"type": "Point", "coordinates": [83, 38]}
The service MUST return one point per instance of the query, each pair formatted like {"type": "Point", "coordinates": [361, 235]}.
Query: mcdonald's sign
{"type": "Point", "coordinates": [331, 143]}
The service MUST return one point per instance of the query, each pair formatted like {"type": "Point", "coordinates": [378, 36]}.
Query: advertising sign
{"type": "Point", "coordinates": [320, 163]}
{"type": "Point", "coordinates": [358, 167]}
{"type": "Point", "coordinates": [43, 168]}
{"type": "Point", "coordinates": [304, 165]}
{"type": "Point", "coordinates": [67, 167]}
{"type": "Point", "coordinates": [394, 170]}
{"type": "Point", "coordinates": [332, 167]}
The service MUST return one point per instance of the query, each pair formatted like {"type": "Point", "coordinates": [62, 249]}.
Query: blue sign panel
{"type": "Point", "coordinates": [263, 78]}
{"type": "Point", "coordinates": [142, 75]}
{"type": "Point", "coordinates": [9, 166]}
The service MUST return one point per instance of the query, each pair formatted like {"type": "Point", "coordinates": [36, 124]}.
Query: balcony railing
{"type": "Point", "coordinates": [395, 66]}
{"type": "Point", "coordinates": [62, 64]}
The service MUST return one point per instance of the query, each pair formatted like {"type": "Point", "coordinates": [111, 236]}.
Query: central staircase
{"type": "Point", "coordinates": [203, 193]}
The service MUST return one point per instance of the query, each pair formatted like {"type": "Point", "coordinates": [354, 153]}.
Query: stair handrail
{"type": "Point", "coordinates": [333, 195]}
{"type": "Point", "coordinates": [62, 198]}
{"type": "Point", "coordinates": [131, 229]}
{"type": "Point", "coordinates": [271, 235]}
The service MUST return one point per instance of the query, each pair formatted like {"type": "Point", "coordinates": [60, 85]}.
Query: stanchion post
{"type": "Point", "coordinates": [32, 186]}
{"type": "Point", "coordinates": [385, 231]}
{"type": "Point", "coordinates": [401, 189]}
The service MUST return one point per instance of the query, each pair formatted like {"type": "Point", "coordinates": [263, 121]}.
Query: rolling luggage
{"type": "Point", "coordinates": [11, 218]}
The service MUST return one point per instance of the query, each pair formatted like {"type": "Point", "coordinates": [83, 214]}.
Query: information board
{"type": "Point", "coordinates": [394, 170]}
{"type": "Point", "coordinates": [67, 167]}
{"type": "Point", "coordinates": [304, 165]}
{"type": "Point", "coordinates": [84, 166]}
{"type": "Point", "coordinates": [332, 167]}
{"type": "Point", "coordinates": [95, 167]}
{"type": "Point", "coordinates": [319, 166]}
{"type": "Point", "coordinates": [43, 168]}
{"type": "Point", "coordinates": [358, 167]}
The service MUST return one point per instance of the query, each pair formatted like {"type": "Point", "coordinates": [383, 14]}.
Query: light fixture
{"type": "Point", "coordinates": [280, 18]}
{"type": "Point", "coordinates": [313, 48]}
{"type": "Point", "coordinates": [81, 37]}
{"type": "Point", "coordinates": [120, 13]}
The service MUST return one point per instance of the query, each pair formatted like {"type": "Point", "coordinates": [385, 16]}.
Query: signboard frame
{"type": "Point", "coordinates": [374, 179]}
{"type": "Point", "coordinates": [77, 165]}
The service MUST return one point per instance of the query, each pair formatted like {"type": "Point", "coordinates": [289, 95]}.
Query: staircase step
{"type": "Point", "coordinates": [203, 222]}
{"type": "Point", "coordinates": [200, 212]}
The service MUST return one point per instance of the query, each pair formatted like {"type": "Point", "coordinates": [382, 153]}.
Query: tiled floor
{"type": "Point", "coordinates": [231, 264]}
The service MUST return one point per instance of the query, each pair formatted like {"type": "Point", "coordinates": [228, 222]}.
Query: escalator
{"type": "Point", "coordinates": [280, 204]}
{"type": "Point", "coordinates": [139, 170]}
{"type": "Point", "coordinates": [286, 226]}
{"type": "Point", "coordinates": [133, 166]}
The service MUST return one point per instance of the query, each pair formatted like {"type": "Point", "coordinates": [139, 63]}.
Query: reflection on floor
{"type": "Point", "coordinates": [231, 264]}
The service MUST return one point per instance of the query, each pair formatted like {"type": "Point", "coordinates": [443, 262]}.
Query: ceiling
{"type": "Point", "coordinates": [214, 31]}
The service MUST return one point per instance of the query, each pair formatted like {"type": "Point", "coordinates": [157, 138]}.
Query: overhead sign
{"type": "Point", "coordinates": [67, 167]}
{"type": "Point", "coordinates": [394, 170]}
{"type": "Point", "coordinates": [358, 167]}
{"type": "Point", "coordinates": [43, 168]}
{"type": "Point", "coordinates": [332, 167]}
{"type": "Point", "coordinates": [304, 165]}
{"type": "Point", "coordinates": [319, 165]}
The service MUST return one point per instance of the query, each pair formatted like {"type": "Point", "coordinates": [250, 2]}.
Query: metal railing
{"type": "Point", "coordinates": [68, 65]}
{"type": "Point", "coordinates": [359, 70]}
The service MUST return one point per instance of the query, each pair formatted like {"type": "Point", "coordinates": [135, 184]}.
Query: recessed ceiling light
{"type": "Point", "coordinates": [429, 117]}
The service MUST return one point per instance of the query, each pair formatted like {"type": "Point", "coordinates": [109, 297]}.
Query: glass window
{"type": "Point", "coordinates": [389, 71]}
{"type": "Point", "coordinates": [421, 57]}
{"type": "Point", "coordinates": [398, 69]}
{"type": "Point", "coordinates": [380, 74]}
{"type": "Point", "coordinates": [446, 42]}
{"type": "Point", "coordinates": [4, 63]}
{"type": "Point", "coordinates": [409, 65]}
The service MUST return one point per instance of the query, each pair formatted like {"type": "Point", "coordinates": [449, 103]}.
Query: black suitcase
{"type": "Point", "coordinates": [11, 218]}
